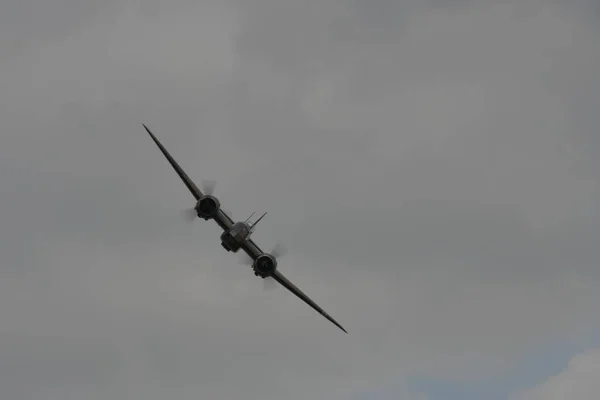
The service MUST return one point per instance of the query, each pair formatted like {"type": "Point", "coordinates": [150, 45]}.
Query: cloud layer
{"type": "Point", "coordinates": [432, 168]}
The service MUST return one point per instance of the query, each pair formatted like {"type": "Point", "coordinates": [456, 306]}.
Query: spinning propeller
{"type": "Point", "coordinates": [208, 188]}
{"type": "Point", "coordinates": [279, 250]}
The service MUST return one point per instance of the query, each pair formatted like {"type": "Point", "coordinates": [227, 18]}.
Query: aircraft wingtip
{"type": "Point", "coordinates": [338, 325]}
{"type": "Point", "coordinates": [148, 130]}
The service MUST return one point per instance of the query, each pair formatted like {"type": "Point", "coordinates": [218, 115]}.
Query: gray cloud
{"type": "Point", "coordinates": [432, 168]}
{"type": "Point", "coordinates": [33, 23]}
{"type": "Point", "coordinates": [492, 242]}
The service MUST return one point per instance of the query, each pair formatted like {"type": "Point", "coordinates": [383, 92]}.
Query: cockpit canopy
{"type": "Point", "coordinates": [239, 229]}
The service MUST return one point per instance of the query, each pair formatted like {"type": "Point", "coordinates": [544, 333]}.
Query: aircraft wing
{"type": "Point", "coordinates": [292, 288]}
{"type": "Point", "coordinates": [222, 219]}
{"type": "Point", "coordinates": [184, 177]}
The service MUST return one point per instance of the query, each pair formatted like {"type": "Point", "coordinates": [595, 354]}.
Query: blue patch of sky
{"type": "Point", "coordinates": [533, 368]}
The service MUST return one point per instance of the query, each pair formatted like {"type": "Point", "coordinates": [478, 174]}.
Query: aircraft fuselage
{"type": "Point", "coordinates": [233, 238]}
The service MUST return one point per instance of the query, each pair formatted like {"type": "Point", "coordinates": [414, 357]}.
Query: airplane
{"type": "Point", "coordinates": [236, 235]}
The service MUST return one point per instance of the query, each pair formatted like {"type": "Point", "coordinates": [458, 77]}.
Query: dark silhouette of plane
{"type": "Point", "coordinates": [236, 235]}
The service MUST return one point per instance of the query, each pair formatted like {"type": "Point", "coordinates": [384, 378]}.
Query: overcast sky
{"type": "Point", "coordinates": [432, 167]}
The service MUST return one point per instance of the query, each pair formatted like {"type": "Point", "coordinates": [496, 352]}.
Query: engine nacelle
{"type": "Point", "coordinates": [264, 265]}
{"type": "Point", "coordinates": [207, 207]}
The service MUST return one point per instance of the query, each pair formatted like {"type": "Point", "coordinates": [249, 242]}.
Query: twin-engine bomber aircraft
{"type": "Point", "coordinates": [236, 235]}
